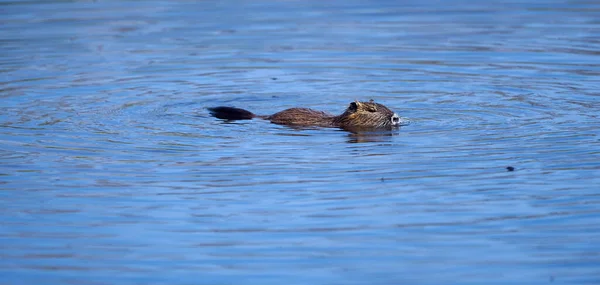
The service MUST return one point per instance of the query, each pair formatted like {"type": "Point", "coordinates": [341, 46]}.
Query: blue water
{"type": "Point", "coordinates": [113, 172]}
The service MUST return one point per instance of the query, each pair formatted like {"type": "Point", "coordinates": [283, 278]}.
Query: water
{"type": "Point", "coordinates": [113, 172]}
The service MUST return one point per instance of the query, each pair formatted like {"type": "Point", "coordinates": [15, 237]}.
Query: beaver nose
{"type": "Point", "coordinates": [395, 120]}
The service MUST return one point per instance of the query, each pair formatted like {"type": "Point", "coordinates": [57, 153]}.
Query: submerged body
{"type": "Point", "coordinates": [357, 115]}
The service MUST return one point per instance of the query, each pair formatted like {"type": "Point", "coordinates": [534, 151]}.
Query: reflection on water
{"type": "Point", "coordinates": [367, 136]}
{"type": "Point", "coordinates": [112, 170]}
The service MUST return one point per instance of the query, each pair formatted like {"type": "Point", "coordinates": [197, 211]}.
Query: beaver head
{"type": "Point", "coordinates": [367, 115]}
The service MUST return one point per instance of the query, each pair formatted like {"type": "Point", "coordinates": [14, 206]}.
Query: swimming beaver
{"type": "Point", "coordinates": [357, 115]}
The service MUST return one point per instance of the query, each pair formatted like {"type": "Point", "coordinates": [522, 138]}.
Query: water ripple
{"type": "Point", "coordinates": [112, 170]}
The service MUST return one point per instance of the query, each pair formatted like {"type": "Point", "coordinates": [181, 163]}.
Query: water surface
{"type": "Point", "coordinates": [113, 172]}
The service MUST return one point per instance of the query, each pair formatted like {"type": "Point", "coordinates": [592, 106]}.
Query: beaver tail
{"type": "Point", "coordinates": [230, 113]}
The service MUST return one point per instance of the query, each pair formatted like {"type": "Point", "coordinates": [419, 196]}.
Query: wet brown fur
{"type": "Point", "coordinates": [357, 115]}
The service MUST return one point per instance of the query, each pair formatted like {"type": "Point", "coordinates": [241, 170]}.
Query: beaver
{"type": "Point", "coordinates": [362, 115]}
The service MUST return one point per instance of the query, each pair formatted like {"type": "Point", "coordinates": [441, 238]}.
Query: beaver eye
{"type": "Point", "coordinates": [353, 106]}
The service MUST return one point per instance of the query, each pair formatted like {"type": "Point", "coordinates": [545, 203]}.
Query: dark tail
{"type": "Point", "coordinates": [230, 113]}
